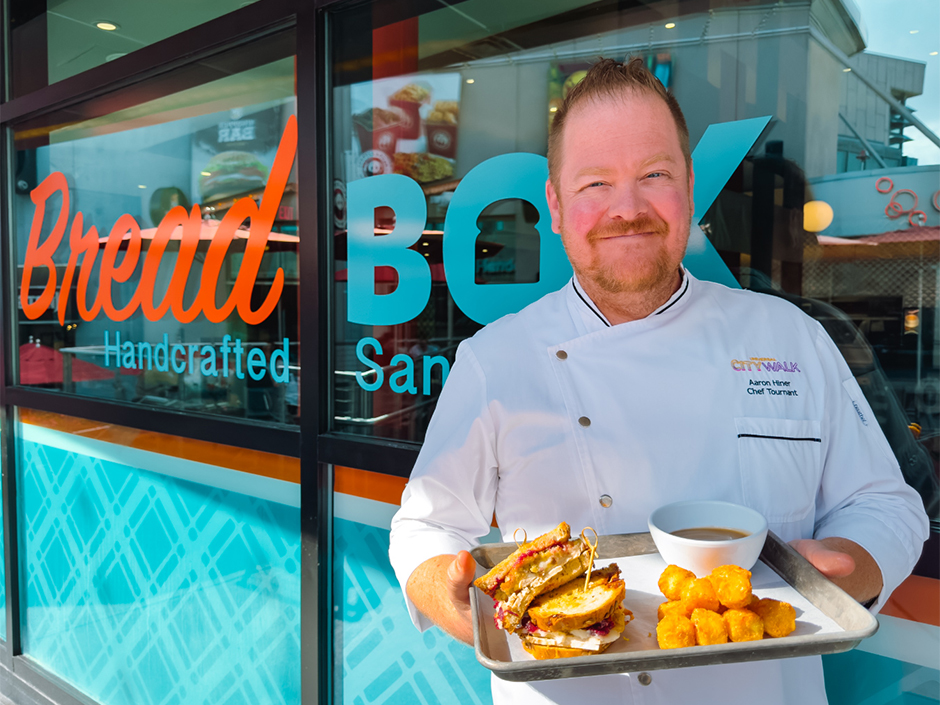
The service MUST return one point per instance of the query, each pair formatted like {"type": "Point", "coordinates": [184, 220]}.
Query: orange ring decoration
{"type": "Point", "coordinates": [917, 215]}
{"type": "Point", "coordinates": [878, 185]}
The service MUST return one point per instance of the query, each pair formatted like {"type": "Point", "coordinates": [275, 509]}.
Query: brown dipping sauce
{"type": "Point", "coordinates": [710, 533]}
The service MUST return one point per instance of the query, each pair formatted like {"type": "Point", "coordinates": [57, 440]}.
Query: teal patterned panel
{"type": "Point", "coordinates": [380, 658]}
{"type": "Point", "coordinates": [141, 589]}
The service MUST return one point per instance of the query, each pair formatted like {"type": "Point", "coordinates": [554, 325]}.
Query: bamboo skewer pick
{"type": "Point", "coordinates": [587, 575]}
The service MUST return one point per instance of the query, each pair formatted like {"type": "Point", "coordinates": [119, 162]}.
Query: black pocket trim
{"type": "Point", "coordinates": [778, 438]}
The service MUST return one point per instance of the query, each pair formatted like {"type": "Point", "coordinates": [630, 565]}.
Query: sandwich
{"type": "Point", "coordinates": [535, 568]}
{"type": "Point", "coordinates": [574, 621]}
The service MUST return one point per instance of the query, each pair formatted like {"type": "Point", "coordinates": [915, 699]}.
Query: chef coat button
{"type": "Point", "coordinates": [606, 500]}
{"type": "Point", "coordinates": [561, 355]}
{"type": "Point", "coordinates": [644, 678]}
{"type": "Point", "coordinates": [584, 421]}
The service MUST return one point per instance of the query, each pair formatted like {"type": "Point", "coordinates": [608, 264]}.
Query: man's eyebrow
{"type": "Point", "coordinates": [592, 171]}
{"type": "Point", "coordinates": [661, 157]}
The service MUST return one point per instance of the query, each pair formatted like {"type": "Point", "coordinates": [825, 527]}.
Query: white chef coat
{"type": "Point", "coordinates": [719, 394]}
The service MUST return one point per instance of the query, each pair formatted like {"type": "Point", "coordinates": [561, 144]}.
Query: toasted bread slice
{"type": "Point", "coordinates": [564, 567]}
{"type": "Point", "coordinates": [491, 582]}
{"type": "Point", "coordinates": [571, 607]}
{"type": "Point", "coordinates": [579, 642]}
{"type": "Point", "coordinates": [546, 652]}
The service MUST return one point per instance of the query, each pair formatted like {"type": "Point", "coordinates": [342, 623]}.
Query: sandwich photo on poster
{"type": "Point", "coordinates": [406, 125]}
{"type": "Point", "coordinates": [234, 156]}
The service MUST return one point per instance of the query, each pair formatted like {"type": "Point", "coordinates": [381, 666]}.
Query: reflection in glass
{"type": "Point", "coordinates": [157, 250]}
{"type": "Point", "coordinates": [493, 74]}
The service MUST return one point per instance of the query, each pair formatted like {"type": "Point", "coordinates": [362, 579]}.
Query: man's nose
{"type": "Point", "coordinates": [627, 202]}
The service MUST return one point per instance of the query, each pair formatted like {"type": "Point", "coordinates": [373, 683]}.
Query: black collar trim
{"type": "Point", "coordinates": [676, 300]}
{"type": "Point", "coordinates": [588, 304]}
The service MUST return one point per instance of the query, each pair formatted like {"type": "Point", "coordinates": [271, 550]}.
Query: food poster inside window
{"type": "Point", "coordinates": [157, 251]}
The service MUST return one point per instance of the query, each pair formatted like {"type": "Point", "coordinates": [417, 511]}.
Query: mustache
{"type": "Point", "coordinates": [641, 224]}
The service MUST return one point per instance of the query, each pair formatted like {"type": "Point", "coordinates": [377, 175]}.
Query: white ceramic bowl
{"type": "Point", "coordinates": [701, 557]}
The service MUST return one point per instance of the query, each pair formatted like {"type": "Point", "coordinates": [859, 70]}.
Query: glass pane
{"type": "Point", "coordinates": [152, 576]}
{"type": "Point", "coordinates": [833, 206]}
{"type": "Point", "coordinates": [157, 249]}
{"type": "Point", "coordinates": [52, 40]}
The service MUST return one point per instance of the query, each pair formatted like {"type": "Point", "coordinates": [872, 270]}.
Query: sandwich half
{"type": "Point", "coordinates": [572, 621]}
{"type": "Point", "coordinates": [536, 567]}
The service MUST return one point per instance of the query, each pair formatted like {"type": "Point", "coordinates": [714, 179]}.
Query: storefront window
{"type": "Point", "coordinates": [157, 569]}
{"type": "Point", "coordinates": [54, 39]}
{"type": "Point", "coordinates": [439, 127]}
{"type": "Point", "coordinates": [156, 249]}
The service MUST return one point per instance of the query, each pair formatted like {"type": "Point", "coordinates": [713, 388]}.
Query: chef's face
{"type": "Point", "coordinates": [623, 202]}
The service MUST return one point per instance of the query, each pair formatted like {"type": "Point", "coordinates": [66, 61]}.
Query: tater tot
{"type": "Point", "coordinates": [743, 625]}
{"type": "Point", "coordinates": [779, 617]}
{"type": "Point", "coordinates": [673, 607]}
{"type": "Point", "coordinates": [733, 585]}
{"type": "Point", "coordinates": [710, 628]}
{"type": "Point", "coordinates": [675, 632]}
{"type": "Point", "coordinates": [700, 593]}
{"type": "Point", "coordinates": [673, 580]}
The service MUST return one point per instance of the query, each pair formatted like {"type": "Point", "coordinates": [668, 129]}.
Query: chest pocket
{"type": "Point", "coordinates": [781, 466]}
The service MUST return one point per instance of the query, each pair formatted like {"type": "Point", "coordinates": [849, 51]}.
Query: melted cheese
{"type": "Point", "coordinates": [577, 639]}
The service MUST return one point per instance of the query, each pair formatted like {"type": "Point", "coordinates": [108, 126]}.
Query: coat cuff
{"type": "Point", "coordinates": [894, 558]}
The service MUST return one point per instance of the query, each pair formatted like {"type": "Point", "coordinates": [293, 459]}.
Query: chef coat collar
{"type": "Point", "coordinates": [595, 320]}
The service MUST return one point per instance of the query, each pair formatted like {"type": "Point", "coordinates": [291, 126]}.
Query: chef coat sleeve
{"type": "Point", "coordinates": [863, 496]}
{"type": "Point", "coordinates": [448, 503]}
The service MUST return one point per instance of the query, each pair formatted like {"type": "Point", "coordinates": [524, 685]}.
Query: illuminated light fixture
{"type": "Point", "coordinates": [846, 70]}
{"type": "Point", "coordinates": [934, 53]}
{"type": "Point", "coordinates": [141, 186]}
{"type": "Point", "coordinates": [670, 25]}
{"type": "Point", "coordinates": [485, 250]}
{"type": "Point", "coordinates": [425, 244]}
{"type": "Point", "coordinates": [427, 254]}
{"type": "Point", "coordinates": [469, 80]}
{"type": "Point", "coordinates": [107, 26]}
{"type": "Point", "coordinates": [205, 173]}
{"type": "Point", "coordinates": [553, 109]}
{"type": "Point", "coordinates": [817, 216]}
{"type": "Point", "coordinates": [914, 31]}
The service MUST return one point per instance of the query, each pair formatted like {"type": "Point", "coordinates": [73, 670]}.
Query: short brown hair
{"type": "Point", "coordinates": [610, 78]}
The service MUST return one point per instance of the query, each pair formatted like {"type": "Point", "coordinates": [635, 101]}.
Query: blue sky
{"type": "Point", "coordinates": [910, 29]}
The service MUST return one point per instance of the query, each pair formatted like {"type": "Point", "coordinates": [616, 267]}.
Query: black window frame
{"type": "Point", "coordinates": [28, 681]}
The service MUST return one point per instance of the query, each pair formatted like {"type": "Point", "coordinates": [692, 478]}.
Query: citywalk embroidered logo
{"type": "Point", "coordinates": [767, 387]}
{"type": "Point", "coordinates": [764, 364]}
{"type": "Point", "coordinates": [86, 245]}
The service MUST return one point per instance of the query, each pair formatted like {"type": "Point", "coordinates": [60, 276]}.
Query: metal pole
{"type": "Point", "coordinates": [865, 143]}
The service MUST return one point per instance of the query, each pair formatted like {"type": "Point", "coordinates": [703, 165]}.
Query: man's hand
{"type": "Point", "coordinates": [440, 589]}
{"type": "Point", "coordinates": [845, 563]}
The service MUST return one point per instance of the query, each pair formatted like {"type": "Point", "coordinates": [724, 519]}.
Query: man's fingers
{"type": "Point", "coordinates": [832, 564]}
{"type": "Point", "coordinates": [459, 576]}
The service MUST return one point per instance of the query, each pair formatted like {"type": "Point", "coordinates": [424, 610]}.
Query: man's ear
{"type": "Point", "coordinates": [691, 189]}
{"type": "Point", "coordinates": [554, 206]}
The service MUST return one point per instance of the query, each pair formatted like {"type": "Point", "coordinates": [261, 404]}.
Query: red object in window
{"type": "Point", "coordinates": [40, 364]}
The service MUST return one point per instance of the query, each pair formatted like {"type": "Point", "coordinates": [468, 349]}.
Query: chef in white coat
{"type": "Point", "coordinates": [637, 385]}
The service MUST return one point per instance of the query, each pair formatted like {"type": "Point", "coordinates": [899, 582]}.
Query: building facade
{"type": "Point", "coordinates": [241, 242]}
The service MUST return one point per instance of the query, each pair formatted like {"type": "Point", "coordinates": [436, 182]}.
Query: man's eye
{"type": "Point", "coordinates": [595, 183]}
{"type": "Point", "coordinates": [655, 174]}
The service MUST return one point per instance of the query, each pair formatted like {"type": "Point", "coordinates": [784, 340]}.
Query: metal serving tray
{"type": "Point", "coordinates": [828, 620]}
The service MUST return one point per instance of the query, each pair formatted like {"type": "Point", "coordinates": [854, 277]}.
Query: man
{"type": "Point", "coordinates": [638, 385]}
